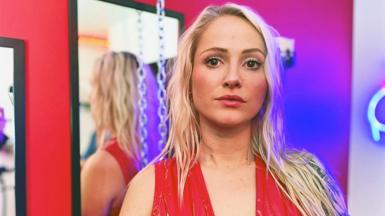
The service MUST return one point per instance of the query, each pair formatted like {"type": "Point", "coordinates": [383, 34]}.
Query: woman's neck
{"type": "Point", "coordinates": [225, 147]}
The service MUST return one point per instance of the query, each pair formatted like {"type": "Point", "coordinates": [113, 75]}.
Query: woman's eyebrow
{"type": "Point", "coordinates": [219, 49]}
{"type": "Point", "coordinates": [223, 50]}
{"type": "Point", "coordinates": [254, 50]}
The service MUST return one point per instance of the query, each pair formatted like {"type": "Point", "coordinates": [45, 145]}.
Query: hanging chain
{"type": "Point", "coordinates": [161, 76]}
{"type": "Point", "coordinates": [142, 87]}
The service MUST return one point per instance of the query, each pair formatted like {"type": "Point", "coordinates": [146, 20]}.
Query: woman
{"type": "Point", "coordinates": [107, 172]}
{"type": "Point", "coordinates": [225, 153]}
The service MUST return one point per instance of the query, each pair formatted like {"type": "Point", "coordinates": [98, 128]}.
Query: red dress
{"type": "Point", "coordinates": [127, 166]}
{"type": "Point", "coordinates": [196, 201]}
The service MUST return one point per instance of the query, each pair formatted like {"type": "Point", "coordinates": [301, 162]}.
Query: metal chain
{"type": "Point", "coordinates": [161, 76]}
{"type": "Point", "coordinates": [142, 87]}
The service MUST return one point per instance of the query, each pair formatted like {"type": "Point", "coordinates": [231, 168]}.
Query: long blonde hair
{"type": "Point", "coordinates": [113, 100]}
{"type": "Point", "coordinates": [299, 174]}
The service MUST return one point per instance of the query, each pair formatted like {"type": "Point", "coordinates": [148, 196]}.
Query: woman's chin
{"type": "Point", "coordinates": [225, 120]}
{"type": "Point", "coordinates": [229, 123]}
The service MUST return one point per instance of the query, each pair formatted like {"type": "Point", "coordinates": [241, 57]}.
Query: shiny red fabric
{"type": "Point", "coordinates": [196, 201]}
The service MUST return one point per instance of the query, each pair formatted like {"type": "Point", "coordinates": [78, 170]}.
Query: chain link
{"type": "Point", "coordinates": [161, 76]}
{"type": "Point", "coordinates": [142, 87]}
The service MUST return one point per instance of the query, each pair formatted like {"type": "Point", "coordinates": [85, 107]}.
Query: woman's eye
{"type": "Point", "coordinates": [252, 64]}
{"type": "Point", "coordinates": [213, 62]}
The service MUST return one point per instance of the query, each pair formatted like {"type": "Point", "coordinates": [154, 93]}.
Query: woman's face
{"type": "Point", "coordinates": [228, 79]}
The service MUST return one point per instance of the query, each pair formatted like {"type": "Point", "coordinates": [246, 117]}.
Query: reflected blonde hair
{"type": "Point", "coordinates": [299, 174]}
{"type": "Point", "coordinates": [113, 101]}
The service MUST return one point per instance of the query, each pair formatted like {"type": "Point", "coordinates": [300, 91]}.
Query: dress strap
{"type": "Point", "coordinates": [126, 164]}
{"type": "Point", "coordinates": [158, 194]}
{"type": "Point", "coordinates": [202, 202]}
{"type": "Point", "coordinates": [270, 199]}
{"type": "Point", "coordinates": [164, 199]}
{"type": "Point", "coordinates": [261, 178]}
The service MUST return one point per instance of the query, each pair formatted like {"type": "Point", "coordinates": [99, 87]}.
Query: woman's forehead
{"type": "Point", "coordinates": [230, 32]}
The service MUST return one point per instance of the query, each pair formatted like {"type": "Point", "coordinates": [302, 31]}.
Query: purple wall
{"type": "Point", "coordinates": [318, 87]}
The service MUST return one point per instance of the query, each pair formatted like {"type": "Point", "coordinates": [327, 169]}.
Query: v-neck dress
{"type": "Point", "coordinates": [270, 200]}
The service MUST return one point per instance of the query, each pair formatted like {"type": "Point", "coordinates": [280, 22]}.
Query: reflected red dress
{"type": "Point", "coordinates": [270, 201]}
{"type": "Point", "coordinates": [126, 164]}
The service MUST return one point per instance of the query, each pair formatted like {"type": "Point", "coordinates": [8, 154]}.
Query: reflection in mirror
{"type": "Point", "coordinates": [11, 127]}
{"type": "Point", "coordinates": [114, 40]}
{"type": "Point", "coordinates": [7, 134]}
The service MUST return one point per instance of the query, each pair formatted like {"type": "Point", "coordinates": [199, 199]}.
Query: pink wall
{"type": "Point", "coordinates": [318, 88]}
{"type": "Point", "coordinates": [43, 25]}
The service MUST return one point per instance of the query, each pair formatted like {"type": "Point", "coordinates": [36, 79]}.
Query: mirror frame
{"type": "Point", "coordinates": [19, 113]}
{"type": "Point", "coordinates": [74, 91]}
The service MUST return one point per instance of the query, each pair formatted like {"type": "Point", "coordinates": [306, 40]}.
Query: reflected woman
{"type": "Point", "coordinates": [226, 150]}
{"type": "Point", "coordinates": [105, 175]}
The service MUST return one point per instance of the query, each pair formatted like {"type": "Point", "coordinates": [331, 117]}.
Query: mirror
{"type": "Point", "coordinates": [12, 127]}
{"type": "Point", "coordinates": [98, 27]}
{"type": "Point", "coordinates": [115, 30]}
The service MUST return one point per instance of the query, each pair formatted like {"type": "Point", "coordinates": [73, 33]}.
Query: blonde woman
{"type": "Point", "coordinates": [225, 154]}
{"type": "Point", "coordinates": [106, 173]}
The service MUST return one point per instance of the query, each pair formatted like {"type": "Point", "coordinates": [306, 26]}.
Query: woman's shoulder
{"type": "Point", "coordinates": [101, 165]}
{"type": "Point", "coordinates": [146, 177]}
{"type": "Point", "coordinates": [100, 162]}
{"type": "Point", "coordinates": [128, 165]}
{"type": "Point", "coordinates": [141, 190]}
{"type": "Point", "coordinates": [101, 183]}
{"type": "Point", "coordinates": [140, 194]}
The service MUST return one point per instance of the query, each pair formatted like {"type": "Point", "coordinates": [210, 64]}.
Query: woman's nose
{"type": "Point", "coordinates": [232, 79]}
{"type": "Point", "coordinates": [235, 83]}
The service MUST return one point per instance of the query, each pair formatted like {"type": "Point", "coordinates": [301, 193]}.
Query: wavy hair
{"type": "Point", "coordinates": [113, 100]}
{"type": "Point", "coordinates": [299, 174]}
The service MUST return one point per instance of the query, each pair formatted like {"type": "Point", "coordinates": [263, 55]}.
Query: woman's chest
{"type": "Point", "coordinates": [233, 194]}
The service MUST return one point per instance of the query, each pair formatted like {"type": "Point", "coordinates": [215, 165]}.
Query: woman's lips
{"type": "Point", "coordinates": [231, 100]}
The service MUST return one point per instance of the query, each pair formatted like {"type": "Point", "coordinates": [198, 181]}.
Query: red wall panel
{"type": "Point", "coordinates": [43, 25]}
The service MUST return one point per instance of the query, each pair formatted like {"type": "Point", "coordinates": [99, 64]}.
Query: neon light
{"type": "Point", "coordinates": [374, 123]}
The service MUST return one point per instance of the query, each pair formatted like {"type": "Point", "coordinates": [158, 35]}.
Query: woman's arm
{"type": "Point", "coordinates": [101, 182]}
{"type": "Point", "coordinates": [140, 194]}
